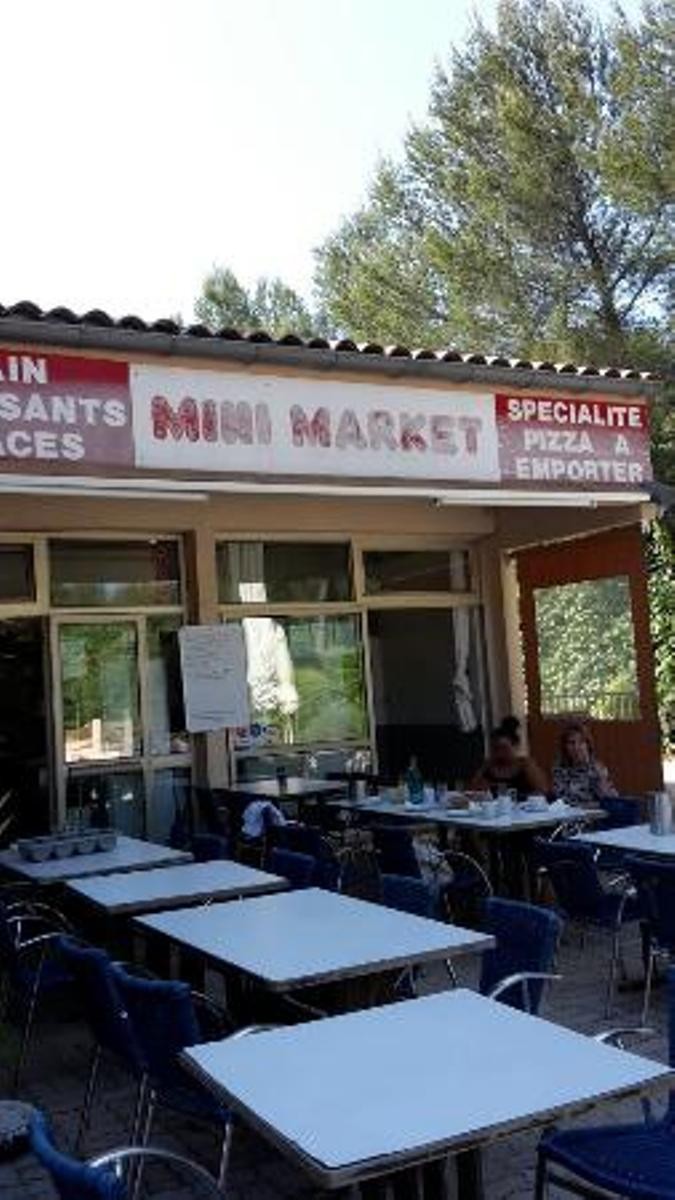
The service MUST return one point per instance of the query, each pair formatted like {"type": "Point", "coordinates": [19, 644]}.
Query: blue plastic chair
{"type": "Point", "coordinates": [105, 1013]}
{"type": "Point", "coordinates": [164, 1020]}
{"type": "Point", "coordinates": [305, 839]}
{"type": "Point", "coordinates": [632, 1160]}
{"type": "Point", "coordinates": [299, 869]}
{"type": "Point", "coordinates": [209, 847]}
{"type": "Point", "coordinates": [521, 962]}
{"type": "Point", "coordinates": [622, 811]}
{"type": "Point", "coordinates": [573, 873]}
{"type": "Point", "coordinates": [28, 936]}
{"type": "Point", "coordinates": [462, 897]}
{"type": "Point", "coordinates": [395, 851]}
{"type": "Point", "coordinates": [407, 895]}
{"type": "Point", "coordinates": [100, 1179]}
{"type": "Point", "coordinates": [655, 885]}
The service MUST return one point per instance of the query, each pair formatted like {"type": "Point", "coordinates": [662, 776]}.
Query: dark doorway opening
{"type": "Point", "coordinates": [24, 754]}
{"type": "Point", "coordinates": [427, 692]}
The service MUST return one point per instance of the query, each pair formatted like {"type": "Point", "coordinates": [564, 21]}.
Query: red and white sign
{"type": "Point", "coordinates": [573, 442]}
{"type": "Point", "coordinates": [63, 411]}
{"type": "Point", "coordinates": [77, 414]}
{"type": "Point", "coordinates": [230, 422]}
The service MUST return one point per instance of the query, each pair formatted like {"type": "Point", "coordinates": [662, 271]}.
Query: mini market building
{"type": "Point", "coordinates": [394, 530]}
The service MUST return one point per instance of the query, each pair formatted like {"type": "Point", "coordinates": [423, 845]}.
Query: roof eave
{"type": "Point", "coordinates": [179, 346]}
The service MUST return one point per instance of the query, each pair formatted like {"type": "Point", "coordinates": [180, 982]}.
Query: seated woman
{"type": "Point", "coordinates": [505, 767]}
{"type": "Point", "coordinates": [578, 776]}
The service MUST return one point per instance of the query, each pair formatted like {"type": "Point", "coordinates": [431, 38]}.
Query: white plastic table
{"type": "Point", "coordinates": [299, 939]}
{"type": "Point", "coordinates": [174, 887]}
{"type": "Point", "coordinates": [634, 839]}
{"type": "Point", "coordinates": [517, 821]}
{"type": "Point", "coordinates": [130, 854]}
{"type": "Point", "coordinates": [358, 1096]}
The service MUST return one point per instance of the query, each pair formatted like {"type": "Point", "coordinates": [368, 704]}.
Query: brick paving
{"type": "Point", "coordinates": [55, 1080]}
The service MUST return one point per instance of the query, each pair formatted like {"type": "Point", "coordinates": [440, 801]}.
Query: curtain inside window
{"type": "Point", "coordinates": [462, 691]}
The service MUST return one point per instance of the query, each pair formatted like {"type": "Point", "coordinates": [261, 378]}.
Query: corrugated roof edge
{"type": "Point", "coordinates": [26, 322]}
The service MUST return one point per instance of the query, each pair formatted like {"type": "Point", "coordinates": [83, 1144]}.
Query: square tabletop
{"type": "Point", "coordinates": [130, 854]}
{"type": "Point", "coordinates": [356, 1096]}
{"type": "Point", "coordinates": [634, 839]}
{"type": "Point", "coordinates": [519, 820]}
{"type": "Point", "coordinates": [297, 939]}
{"type": "Point", "coordinates": [174, 887]}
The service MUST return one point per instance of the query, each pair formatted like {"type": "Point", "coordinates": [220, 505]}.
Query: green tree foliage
{"type": "Point", "coordinates": [532, 212]}
{"type": "Point", "coordinates": [586, 649]}
{"type": "Point", "coordinates": [661, 563]}
{"type": "Point", "coordinates": [270, 305]}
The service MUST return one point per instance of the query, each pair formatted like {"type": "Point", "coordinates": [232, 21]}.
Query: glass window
{"type": "Point", "coordinates": [114, 574]}
{"type": "Point", "coordinates": [416, 571]}
{"type": "Point", "coordinates": [99, 675]}
{"type": "Point", "coordinates": [586, 649]}
{"type": "Point", "coordinates": [305, 678]}
{"type": "Point", "coordinates": [17, 579]}
{"type": "Point", "coordinates": [167, 734]}
{"type": "Point", "coordinates": [284, 572]}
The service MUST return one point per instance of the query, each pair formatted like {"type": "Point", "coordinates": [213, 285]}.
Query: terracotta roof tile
{"type": "Point", "coordinates": [96, 318]}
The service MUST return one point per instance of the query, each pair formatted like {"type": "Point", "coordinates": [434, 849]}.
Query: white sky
{"type": "Point", "coordinates": [145, 140]}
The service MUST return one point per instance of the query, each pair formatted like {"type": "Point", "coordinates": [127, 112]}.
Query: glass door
{"type": "Point", "coordinates": [119, 720]}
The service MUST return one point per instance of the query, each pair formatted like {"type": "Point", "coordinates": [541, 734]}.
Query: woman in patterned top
{"type": "Point", "coordinates": [578, 776]}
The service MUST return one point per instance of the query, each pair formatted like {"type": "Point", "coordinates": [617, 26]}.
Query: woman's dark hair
{"type": "Point", "coordinates": [508, 728]}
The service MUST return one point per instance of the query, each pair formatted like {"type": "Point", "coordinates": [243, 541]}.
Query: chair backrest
{"type": "Point", "coordinates": [103, 1005]}
{"type": "Point", "coordinates": [73, 1180]}
{"type": "Point", "coordinates": [463, 894]}
{"type": "Point", "coordinates": [621, 811]}
{"type": "Point", "coordinates": [407, 895]}
{"type": "Point", "coordinates": [303, 839]}
{"type": "Point", "coordinates": [299, 869]}
{"type": "Point", "coordinates": [163, 1019]}
{"type": "Point", "coordinates": [655, 885]}
{"type": "Point", "coordinates": [208, 847]}
{"type": "Point", "coordinates": [526, 939]}
{"type": "Point", "coordinates": [396, 851]}
{"type": "Point", "coordinates": [8, 954]}
{"type": "Point", "coordinates": [574, 878]}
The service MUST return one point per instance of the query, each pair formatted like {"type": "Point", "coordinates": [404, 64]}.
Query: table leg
{"type": "Point", "coordinates": [470, 1184]}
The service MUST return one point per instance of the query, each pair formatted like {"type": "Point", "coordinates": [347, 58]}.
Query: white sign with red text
{"type": "Point", "coordinates": [276, 425]}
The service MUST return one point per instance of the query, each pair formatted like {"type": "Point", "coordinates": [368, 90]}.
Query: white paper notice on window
{"type": "Point", "coordinates": [213, 665]}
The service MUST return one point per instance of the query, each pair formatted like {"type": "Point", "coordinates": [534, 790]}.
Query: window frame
{"type": "Point", "coordinates": [360, 606]}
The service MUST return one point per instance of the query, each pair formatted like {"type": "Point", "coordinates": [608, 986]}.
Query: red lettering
{"type": "Point", "coordinates": [316, 432]}
{"type": "Point", "coordinates": [411, 437]}
{"type": "Point", "coordinates": [180, 423]}
{"type": "Point", "coordinates": [236, 422]}
{"type": "Point", "coordinates": [471, 427]}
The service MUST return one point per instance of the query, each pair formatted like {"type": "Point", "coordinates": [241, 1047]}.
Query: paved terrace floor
{"type": "Point", "coordinates": [56, 1074]}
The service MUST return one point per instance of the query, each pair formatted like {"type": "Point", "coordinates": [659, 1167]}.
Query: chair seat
{"type": "Point", "coordinates": [632, 1160]}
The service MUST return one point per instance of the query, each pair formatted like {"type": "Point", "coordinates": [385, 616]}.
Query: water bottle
{"type": "Point", "coordinates": [661, 814]}
{"type": "Point", "coordinates": [414, 783]}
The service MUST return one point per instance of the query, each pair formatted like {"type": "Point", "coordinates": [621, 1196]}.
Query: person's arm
{"type": "Point", "coordinates": [480, 781]}
{"type": "Point", "coordinates": [559, 783]}
{"type": "Point", "coordinates": [605, 787]}
{"type": "Point", "coordinates": [536, 778]}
